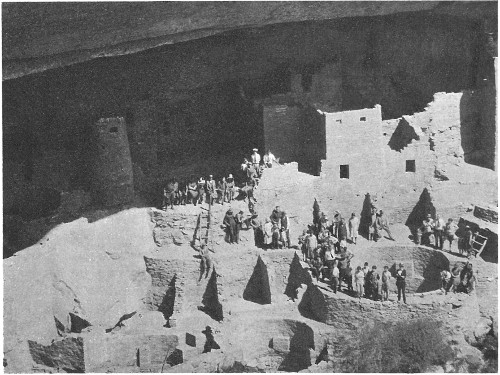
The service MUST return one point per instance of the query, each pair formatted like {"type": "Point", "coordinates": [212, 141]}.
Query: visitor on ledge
{"type": "Point", "coordinates": [359, 281]}
{"type": "Point", "coordinates": [230, 225]}
{"type": "Point", "coordinates": [192, 191]}
{"type": "Point", "coordinates": [221, 190]}
{"type": "Point", "coordinates": [386, 277]}
{"type": "Point", "coordinates": [211, 190]}
{"type": "Point", "coordinates": [201, 190]}
{"type": "Point", "coordinates": [230, 188]}
{"type": "Point", "coordinates": [439, 232]}
{"type": "Point", "coordinates": [269, 159]}
{"type": "Point", "coordinates": [445, 280]}
{"type": "Point", "coordinates": [285, 229]}
{"type": "Point", "coordinates": [427, 231]}
{"type": "Point", "coordinates": [382, 224]}
{"type": "Point", "coordinates": [401, 282]}
{"type": "Point", "coordinates": [268, 233]}
{"type": "Point", "coordinates": [353, 228]}
{"type": "Point", "coordinates": [450, 230]}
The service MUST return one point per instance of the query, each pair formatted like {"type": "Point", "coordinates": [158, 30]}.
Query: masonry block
{"type": "Point", "coordinates": [280, 344]}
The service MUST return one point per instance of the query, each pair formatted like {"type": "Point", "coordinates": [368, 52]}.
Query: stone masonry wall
{"type": "Point", "coordinates": [281, 131]}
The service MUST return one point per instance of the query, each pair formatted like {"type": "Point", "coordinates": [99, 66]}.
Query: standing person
{"type": "Point", "coordinates": [269, 159]}
{"type": "Point", "coordinates": [401, 282]}
{"type": "Point", "coordinates": [445, 280]}
{"type": "Point", "coordinates": [375, 282]}
{"type": "Point", "coordinates": [258, 234]}
{"type": "Point", "coordinates": [383, 224]}
{"type": "Point", "coordinates": [359, 281]}
{"type": "Point", "coordinates": [386, 277]}
{"type": "Point", "coordinates": [468, 240]}
{"type": "Point", "coordinates": [285, 229]}
{"type": "Point", "coordinates": [439, 232]}
{"type": "Point", "coordinates": [449, 230]}
{"type": "Point", "coordinates": [268, 233]}
{"type": "Point", "coordinates": [302, 244]}
{"type": "Point", "coordinates": [372, 230]}
{"type": "Point", "coordinates": [335, 276]}
{"type": "Point", "coordinates": [311, 244]}
{"type": "Point", "coordinates": [276, 237]}
{"type": "Point", "coordinates": [428, 228]}
{"type": "Point", "coordinates": [230, 188]}
{"type": "Point", "coordinates": [353, 228]}
{"type": "Point", "coordinates": [221, 190]}
{"type": "Point", "coordinates": [201, 190]}
{"type": "Point", "coordinates": [239, 219]}
{"type": "Point", "coordinates": [342, 235]}
{"type": "Point", "coordinates": [317, 267]}
{"type": "Point", "coordinates": [230, 223]}
{"type": "Point", "coordinates": [211, 190]}
{"type": "Point", "coordinates": [348, 278]}
{"type": "Point", "coordinates": [256, 159]}
{"type": "Point", "coordinates": [369, 284]}
{"type": "Point", "coordinates": [169, 192]}
{"type": "Point", "coordinates": [344, 259]}
{"type": "Point", "coordinates": [330, 261]}
{"type": "Point", "coordinates": [192, 191]}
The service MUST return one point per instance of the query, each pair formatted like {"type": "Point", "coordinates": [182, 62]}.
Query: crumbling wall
{"type": "Point", "coordinates": [350, 313]}
{"type": "Point", "coordinates": [112, 177]}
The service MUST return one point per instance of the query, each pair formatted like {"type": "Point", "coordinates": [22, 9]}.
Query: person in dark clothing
{"type": "Point", "coordinates": [401, 282]}
{"type": "Point", "coordinates": [211, 190]}
{"type": "Point", "coordinates": [192, 191]}
{"type": "Point", "coordinates": [369, 284]}
{"type": "Point", "coordinates": [257, 231]}
{"type": "Point", "coordinates": [342, 231]}
{"type": "Point", "coordinates": [285, 229]}
{"type": "Point", "coordinates": [230, 223]}
{"type": "Point", "coordinates": [210, 343]}
{"type": "Point", "coordinates": [169, 193]}
{"type": "Point", "coordinates": [375, 282]}
{"type": "Point", "coordinates": [344, 259]}
{"type": "Point", "coordinates": [239, 224]}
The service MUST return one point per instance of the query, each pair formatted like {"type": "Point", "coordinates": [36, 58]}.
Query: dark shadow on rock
{"type": "Point", "coordinates": [419, 213]}
{"type": "Point", "coordinates": [258, 289]}
{"type": "Point", "coordinates": [434, 265]}
{"type": "Point", "coordinates": [313, 305]}
{"type": "Point", "coordinates": [296, 277]}
{"type": "Point", "coordinates": [211, 305]}
{"type": "Point", "coordinates": [167, 304]}
{"type": "Point", "coordinates": [299, 357]}
{"type": "Point", "coordinates": [366, 216]}
{"type": "Point", "coordinates": [403, 135]}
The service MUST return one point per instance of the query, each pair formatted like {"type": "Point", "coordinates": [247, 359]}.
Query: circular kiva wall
{"type": "Point", "coordinates": [423, 266]}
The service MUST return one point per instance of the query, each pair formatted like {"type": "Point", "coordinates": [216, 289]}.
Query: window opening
{"type": "Point", "coordinates": [344, 171]}
{"type": "Point", "coordinates": [410, 166]}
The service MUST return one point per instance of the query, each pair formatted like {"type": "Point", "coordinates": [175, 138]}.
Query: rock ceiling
{"type": "Point", "coordinates": [41, 36]}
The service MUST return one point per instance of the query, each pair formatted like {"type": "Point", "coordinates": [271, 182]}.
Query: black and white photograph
{"type": "Point", "coordinates": [250, 186]}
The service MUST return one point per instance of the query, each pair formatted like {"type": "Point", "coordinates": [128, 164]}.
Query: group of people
{"type": "Point", "coordinates": [434, 233]}
{"type": "Point", "coordinates": [254, 167]}
{"type": "Point", "coordinates": [459, 279]}
{"type": "Point", "coordinates": [220, 191]}
{"type": "Point", "coordinates": [199, 191]}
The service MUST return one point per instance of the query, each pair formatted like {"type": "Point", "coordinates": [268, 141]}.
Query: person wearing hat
{"type": "Point", "coordinates": [211, 189]}
{"type": "Point", "coordinates": [210, 343]}
{"type": "Point", "coordinates": [401, 282]}
{"type": "Point", "coordinates": [230, 188]}
{"type": "Point", "coordinates": [230, 223]}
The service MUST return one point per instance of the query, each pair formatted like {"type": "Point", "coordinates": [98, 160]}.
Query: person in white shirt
{"type": "Point", "coordinates": [439, 232]}
{"type": "Point", "coordinates": [445, 280]}
{"type": "Point", "coordinates": [269, 159]}
{"type": "Point", "coordinates": [256, 159]}
{"type": "Point", "coordinates": [353, 228]}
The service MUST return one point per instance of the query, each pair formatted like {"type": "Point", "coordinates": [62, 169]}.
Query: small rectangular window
{"type": "Point", "coordinates": [410, 166]}
{"type": "Point", "coordinates": [344, 171]}
{"type": "Point", "coordinates": [362, 118]}
{"type": "Point", "coordinates": [339, 121]}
